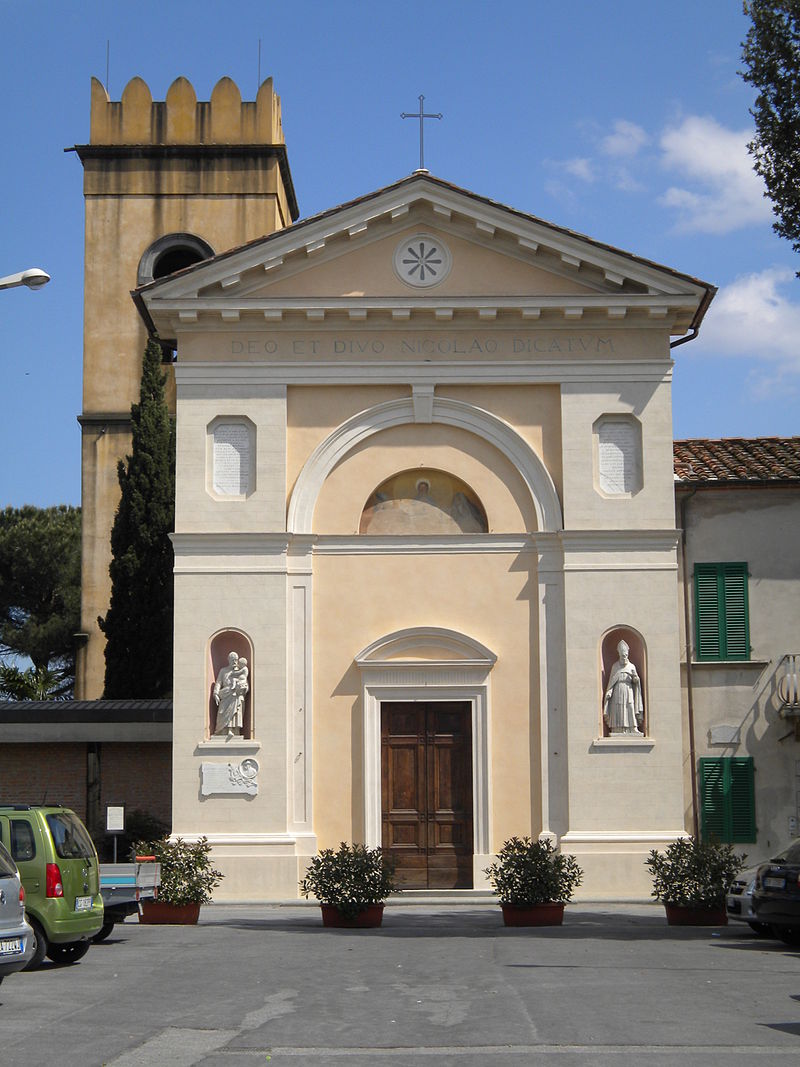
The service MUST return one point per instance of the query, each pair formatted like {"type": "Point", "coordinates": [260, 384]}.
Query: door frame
{"type": "Point", "coordinates": [477, 699]}
{"type": "Point", "coordinates": [467, 680]}
{"type": "Point", "coordinates": [385, 678]}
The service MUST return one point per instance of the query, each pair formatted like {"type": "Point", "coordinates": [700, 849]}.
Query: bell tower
{"type": "Point", "coordinates": [166, 184]}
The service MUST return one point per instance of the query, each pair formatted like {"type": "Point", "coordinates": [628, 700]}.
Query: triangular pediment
{"type": "Point", "coordinates": [482, 259]}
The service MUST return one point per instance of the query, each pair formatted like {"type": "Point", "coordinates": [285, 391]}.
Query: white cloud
{"type": "Point", "coordinates": [579, 168]}
{"type": "Point", "coordinates": [626, 139]}
{"type": "Point", "coordinates": [708, 155]}
{"type": "Point", "coordinates": [756, 317]}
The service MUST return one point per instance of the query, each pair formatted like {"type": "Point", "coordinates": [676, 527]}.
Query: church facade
{"type": "Point", "coordinates": [425, 537]}
{"type": "Point", "coordinates": [425, 543]}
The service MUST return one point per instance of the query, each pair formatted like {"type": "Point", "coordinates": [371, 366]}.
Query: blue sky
{"type": "Point", "coordinates": [624, 120]}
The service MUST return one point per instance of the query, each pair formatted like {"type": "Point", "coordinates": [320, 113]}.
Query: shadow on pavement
{"type": "Point", "coordinates": [480, 923]}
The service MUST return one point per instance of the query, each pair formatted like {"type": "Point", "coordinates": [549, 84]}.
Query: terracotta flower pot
{"type": "Point", "coordinates": [370, 916]}
{"type": "Point", "coordinates": [551, 914]}
{"type": "Point", "coordinates": [158, 912]}
{"type": "Point", "coordinates": [677, 915]}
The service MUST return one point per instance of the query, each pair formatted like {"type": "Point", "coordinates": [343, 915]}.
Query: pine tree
{"type": "Point", "coordinates": [40, 587]}
{"type": "Point", "coordinates": [138, 625]}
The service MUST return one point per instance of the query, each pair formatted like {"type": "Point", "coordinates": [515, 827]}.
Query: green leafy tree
{"type": "Point", "coordinates": [771, 52]}
{"type": "Point", "coordinates": [40, 582]}
{"type": "Point", "coordinates": [138, 625]}
{"type": "Point", "coordinates": [36, 683]}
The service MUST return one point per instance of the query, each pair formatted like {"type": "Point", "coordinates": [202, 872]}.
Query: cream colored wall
{"type": "Point", "coordinates": [585, 506]}
{"type": "Point", "coordinates": [313, 412]}
{"type": "Point", "coordinates": [206, 603]}
{"type": "Point", "coordinates": [633, 788]}
{"type": "Point", "coordinates": [350, 270]}
{"type": "Point", "coordinates": [263, 510]}
{"type": "Point", "coordinates": [533, 410]}
{"type": "Point", "coordinates": [486, 597]}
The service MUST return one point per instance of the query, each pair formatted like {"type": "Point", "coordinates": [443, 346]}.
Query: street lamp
{"type": "Point", "coordinates": [33, 278]}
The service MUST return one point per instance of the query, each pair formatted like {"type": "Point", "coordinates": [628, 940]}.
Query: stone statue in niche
{"type": "Point", "coordinates": [230, 689]}
{"type": "Point", "coordinates": [623, 709]}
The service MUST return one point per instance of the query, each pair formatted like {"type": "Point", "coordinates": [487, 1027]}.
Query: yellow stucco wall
{"type": "Point", "coordinates": [486, 597]}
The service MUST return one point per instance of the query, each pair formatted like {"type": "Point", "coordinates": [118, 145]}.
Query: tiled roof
{"type": "Point", "coordinates": [737, 460]}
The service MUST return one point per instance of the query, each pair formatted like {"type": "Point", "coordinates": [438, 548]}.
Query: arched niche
{"type": "Point", "coordinates": [608, 657]}
{"type": "Point", "coordinates": [220, 647]}
{"type": "Point", "coordinates": [423, 501]}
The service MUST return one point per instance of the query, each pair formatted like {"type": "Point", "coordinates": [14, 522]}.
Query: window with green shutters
{"type": "Point", "coordinates": [727, 799]}
{"type": "Point", "coordinates": [722, 629]}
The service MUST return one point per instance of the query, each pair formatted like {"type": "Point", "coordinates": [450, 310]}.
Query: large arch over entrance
{"type": "Point", "coordinates": [446, 411]}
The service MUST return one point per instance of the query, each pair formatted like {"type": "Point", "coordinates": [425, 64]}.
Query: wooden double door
{"type": "Point", "coordinates": [426, 792]}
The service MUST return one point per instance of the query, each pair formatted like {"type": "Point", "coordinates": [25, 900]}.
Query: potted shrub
{"type": "Point", "coordinates": [533, 881]}
{"type": "Point", "coordinates": [691, 879]}
{"type": "Point", "coordinates": [187, 879]}
{"type": "Point", "coordinates": [351, 884]}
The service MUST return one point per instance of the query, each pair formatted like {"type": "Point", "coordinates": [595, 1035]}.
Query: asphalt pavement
{"type": "Point", "coordinates": [436, 985]}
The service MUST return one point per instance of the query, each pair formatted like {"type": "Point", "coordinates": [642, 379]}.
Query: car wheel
{"type": "Point", "coordinates": [762, 929]}
{"type": "Point", "coordinates": [70, 952]}
{"type": "Point", "coordinates": [790, 935]}
{"type": "Point", "coordinates": [104, 931]}
{"type": "Point", "coordinates": [40, 946]}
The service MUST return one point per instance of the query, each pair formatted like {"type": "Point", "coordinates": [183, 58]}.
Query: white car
{"type": "Point", "coordinates": [739, 901]}
{"type": "Point", "coordinates": [16, 936]}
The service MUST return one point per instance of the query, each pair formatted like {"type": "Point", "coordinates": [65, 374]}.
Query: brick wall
{"type": "Point", "coordinates": [138, 776]}
{"type": "Point", "coordinates": [44, 773]}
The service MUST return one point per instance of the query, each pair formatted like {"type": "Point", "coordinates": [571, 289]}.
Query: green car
{"type": "Point", "coordinates": [58, 866]}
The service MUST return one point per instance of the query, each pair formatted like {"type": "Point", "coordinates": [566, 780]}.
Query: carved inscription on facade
{"type": "Point", "coordinates": [232, 459]}
{"type": "Point", "coordinates": [426, 346]}
{"type": "Point", "coordinates": [618, 456]}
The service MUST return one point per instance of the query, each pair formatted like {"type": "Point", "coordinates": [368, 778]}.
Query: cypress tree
{"type": "Point", "coordinates": [138, 625]}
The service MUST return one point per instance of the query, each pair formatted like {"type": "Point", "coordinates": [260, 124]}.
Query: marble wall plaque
{"type": "Point", "coordinates": [229, 778]}
{"type": "Point", "coordinates": [724, 734]}
{"type": "Point", "coordinates": [231, 459]}
{"type": "Point", "coordinates": [617, 456]}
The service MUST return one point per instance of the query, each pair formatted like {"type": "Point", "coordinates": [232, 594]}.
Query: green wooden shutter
{"type": "Point", "coordinates": [742, 799]}
{"type": "Point", "coordinates": [721, 611]}
{"type": "Point", "coordinates": [727, 799]}
{"type": "Point", "coordinates": [707, 611]}
{"type": "Point", "coordinates": [712, 798]}
{"type": "Point", "coordinates": [737, 636]}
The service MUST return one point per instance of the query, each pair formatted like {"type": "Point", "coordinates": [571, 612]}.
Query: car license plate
{"type": "Point", "coordinates": [774, 883]}
{"type": "Point", "coordinates": [12, 947]}
{"type": "Point", "coordinates": [83, 903]}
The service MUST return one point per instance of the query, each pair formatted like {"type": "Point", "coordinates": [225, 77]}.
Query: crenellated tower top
{"type": "Point", "coordinates": [181, 119]}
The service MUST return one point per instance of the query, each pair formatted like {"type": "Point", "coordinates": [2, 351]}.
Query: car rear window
{"type": "Point", "coordinates": [71, 840]}
{"type": "Point", "coordinates": [7, 866]}
{"type": "Point", "coordinates": [790, 854]}
{"type": "Point", "coordinates": [23, 844]}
